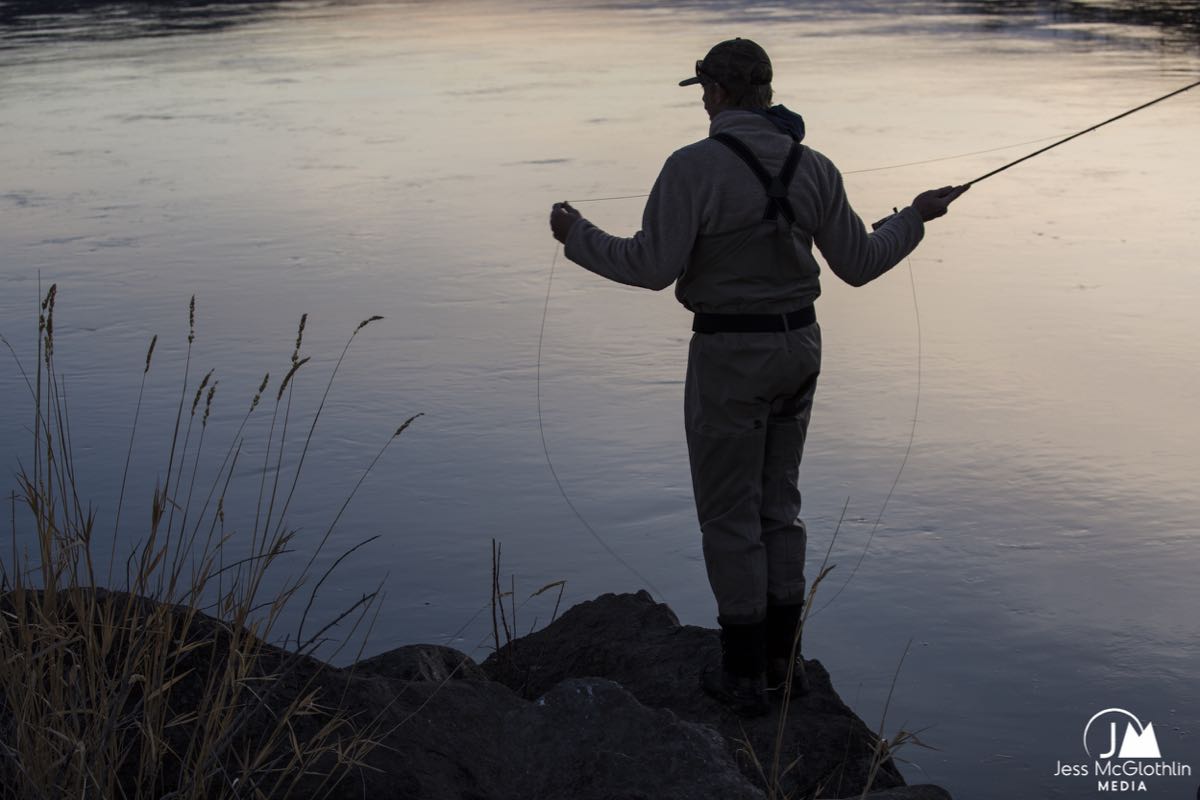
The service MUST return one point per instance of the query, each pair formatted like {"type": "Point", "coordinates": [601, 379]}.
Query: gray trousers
{"type": "Point", "coordinates": [747, 403]}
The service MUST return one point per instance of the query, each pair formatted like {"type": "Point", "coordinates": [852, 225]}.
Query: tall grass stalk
{"type": "Point", "coordinates": [773, 775]}
{"type": "Point", "coordinates": [137, 692]}
{"type": "Point", "coordinates": [887, 748]}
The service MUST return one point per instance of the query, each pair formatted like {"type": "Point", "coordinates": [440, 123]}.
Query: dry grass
{"type": "Point", "coordinates": [889, 748]}
{"type": "Point", "coordinates": [139, 693]}
{"type": "Point", "coordinates": [773, 773]}
{"type": "Point", "coordinates": [501, 617]}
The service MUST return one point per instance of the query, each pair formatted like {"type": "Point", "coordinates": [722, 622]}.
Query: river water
{"type": "Point", "coordinates": [1040, 549]}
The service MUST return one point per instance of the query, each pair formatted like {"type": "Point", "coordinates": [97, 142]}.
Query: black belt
{"type": "Point", "coordinates": [753, 323]}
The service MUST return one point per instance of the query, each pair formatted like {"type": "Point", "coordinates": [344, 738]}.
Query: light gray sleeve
{"type": "Point", "coordinates": [657, 254]}
{"type": "Point", "coordinates": [854, 255]}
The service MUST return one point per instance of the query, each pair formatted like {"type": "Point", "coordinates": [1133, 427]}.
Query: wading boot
{"type": "Point", "coordinates": [740, 680]}
{"type": "Point", "coordinates": [781, 626]}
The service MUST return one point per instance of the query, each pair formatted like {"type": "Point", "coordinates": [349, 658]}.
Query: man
{"type": "Point", "coordinates": [731, 221]}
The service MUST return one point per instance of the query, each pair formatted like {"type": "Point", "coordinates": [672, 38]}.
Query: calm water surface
{"type": "Point", "coordinates": [345, 160]}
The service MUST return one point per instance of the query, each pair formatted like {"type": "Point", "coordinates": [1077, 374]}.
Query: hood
{"type": "Point", "coordinates": [786, 120]}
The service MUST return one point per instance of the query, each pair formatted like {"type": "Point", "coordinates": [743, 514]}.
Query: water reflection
{"type": "Point", "coordinates": [349, 160]}
{"type": "Point", "coordinates": [1171, 23]}
{"type": "Point", "coordinates": [1174, 24]}
{"type": "Point", "coordinates": [1175, 19]}
{"type": "Point", "coordinates": [30, 21]}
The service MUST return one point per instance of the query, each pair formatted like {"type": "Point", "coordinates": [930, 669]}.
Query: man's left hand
{"type": "Point", "coordinates": [562, 217]}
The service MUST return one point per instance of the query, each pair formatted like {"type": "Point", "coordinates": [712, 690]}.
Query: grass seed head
{"type": "Point", "coordinates": [299, 338]}
{"type": "Point", "coordinates": [406, 423]}
{"type": "Point", "coordinates": [200, 391]}
{"type": "Point", "coordinates": [288, 378]}
{"type": "Point", "coordinates": [192, 320]}
{"type": "Point", "coordinates": [49, 323]}
{"type": "Point", "coordinates": [208, 404]}
{"type": "Point", "coordinates": [47, 304]}
{"type": "Point", "coordinates": [367, 322]}
{"type": "Point", "coordinates": [150, 352]}
{"type": "Point", "coordinates": [258, 394]}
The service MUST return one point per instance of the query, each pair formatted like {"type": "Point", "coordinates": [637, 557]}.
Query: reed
{"type": "Point", "coordinates": [168, 685]}
{"type": "Point", "coordinates": [501, 617]}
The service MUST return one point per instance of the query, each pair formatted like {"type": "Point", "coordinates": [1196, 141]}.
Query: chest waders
{"type": "Point", "coordinates": [764, 252]}
{"type": "Point", "coordinates": [747, 402]}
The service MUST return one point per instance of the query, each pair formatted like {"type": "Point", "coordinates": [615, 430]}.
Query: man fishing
{"type": "Point", "coordinates": [731, 221]}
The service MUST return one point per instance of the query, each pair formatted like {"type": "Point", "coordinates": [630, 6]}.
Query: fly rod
{"type": "Point", "coordinates": [1081, 133]}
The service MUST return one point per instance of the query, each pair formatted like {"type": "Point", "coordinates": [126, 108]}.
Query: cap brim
{"type": "Point", "coordinates": [690, 81]}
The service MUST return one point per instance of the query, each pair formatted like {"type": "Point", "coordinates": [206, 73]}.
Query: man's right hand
{"type": "Point", "coordinates": [562, 218]}
{"type": "Point", "coordinates": [935, 202]}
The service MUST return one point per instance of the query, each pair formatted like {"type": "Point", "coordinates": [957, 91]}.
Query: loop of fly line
{"type": "Point", "coordinates": [916, 313]}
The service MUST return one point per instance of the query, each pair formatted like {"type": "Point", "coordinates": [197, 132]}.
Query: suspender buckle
{"type": "Point", "coordinates": [775, 186]}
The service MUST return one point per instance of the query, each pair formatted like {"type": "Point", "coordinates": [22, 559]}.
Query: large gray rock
{"type": "Point", "coordinates": [585, 740]}
{"type": "Point", "coordinates": [630, 639]}
{"type": "Point", "coordinates": [590, 739]}
{"type": "Point", "coordinates": [923, 791]}
{"type": "Point", "coordinates": [423, 662]}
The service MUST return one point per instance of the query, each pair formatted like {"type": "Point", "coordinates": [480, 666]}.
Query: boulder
{"type": "Point", "coordinates": [640, 644]}
{"type": "Point", "coordinates": [921, 791]}
{"type": "Point", "coordinates": [422, 662]}
{"type": "Point", "coordinates": [590, 739]}
{"type": "Point", "coordinates": [586, 739]}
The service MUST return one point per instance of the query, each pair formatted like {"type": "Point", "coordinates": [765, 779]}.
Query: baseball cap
{"type": "Point", "coordinates": [735, 64]}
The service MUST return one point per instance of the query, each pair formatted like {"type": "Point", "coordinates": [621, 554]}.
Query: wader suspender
{"type": "Point", "coordinates": [777, 187]}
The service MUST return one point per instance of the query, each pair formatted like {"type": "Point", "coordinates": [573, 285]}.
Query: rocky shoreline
{"type": "Point", "coordinates": [605, 703]}
{"type": "Point", "coordinates": [602, 704]}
